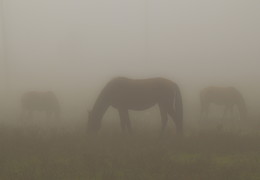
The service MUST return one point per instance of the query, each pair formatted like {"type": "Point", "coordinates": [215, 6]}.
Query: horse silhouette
{"type": "Point", "coordinates": [40, 101]}
{"type": "Point", "coordinates": [223, 96]}
{"type": "Point", "coordinates": [138, 94]}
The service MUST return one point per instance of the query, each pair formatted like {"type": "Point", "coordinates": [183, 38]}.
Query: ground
{"type": "Point", "coordinates": [207, 155]}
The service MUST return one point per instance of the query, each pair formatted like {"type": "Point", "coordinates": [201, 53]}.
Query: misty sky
{"type": "Point", "coordinates": [74, 46]}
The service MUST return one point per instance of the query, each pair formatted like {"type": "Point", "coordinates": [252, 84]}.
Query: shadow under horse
{"type": "Point", "coordinates": [229, 97]}
{"type": "Point", "coordinates": [138, 94]}
{"type": "Point", "coordinates": [40, 101]}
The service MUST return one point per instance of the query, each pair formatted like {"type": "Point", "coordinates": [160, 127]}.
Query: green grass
{"type": "Point", "coordinates": [30, 155]}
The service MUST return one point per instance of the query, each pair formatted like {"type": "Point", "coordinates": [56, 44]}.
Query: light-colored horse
{"type": "Point", "coordinates": [129, 94]}
{"type": "Point", "coordinates": [223, 96]}
{"type": "Point", "coordinates": [40, 101]}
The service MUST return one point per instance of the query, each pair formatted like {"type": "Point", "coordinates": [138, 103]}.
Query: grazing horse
{"type": "Point", "coordinates": [138, 94]}
{"type": "Point", "coordinates": [224, 96]}
{"type": "Point", "coordinates": [40, 101]}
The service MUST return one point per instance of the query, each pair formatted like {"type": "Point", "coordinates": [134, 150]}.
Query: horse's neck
{"type": "Point", "coordinates": [101, 105]}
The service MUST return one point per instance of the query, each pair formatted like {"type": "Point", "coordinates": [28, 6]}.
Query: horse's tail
{"type": "Point", "coordinates": [179, 110]}
{"type": "Point", "coordinates": [241, 106]}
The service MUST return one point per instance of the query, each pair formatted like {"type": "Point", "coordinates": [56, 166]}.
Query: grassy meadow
{"type": "Point", "coordinates": [28, 153]}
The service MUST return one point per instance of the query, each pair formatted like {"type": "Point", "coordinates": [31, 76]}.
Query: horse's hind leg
{"type": "Point", "coordinates": [177, 121]}
{"type": "Point", "coordinates": [164, 118]}
{"type": "Point", "coordinates": [128, 123]}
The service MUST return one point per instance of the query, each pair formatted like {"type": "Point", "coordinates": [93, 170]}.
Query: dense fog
{"type": "Point", "coordinates": [57, 56]}
{"type": "Point", "coordinates": [74, 47]}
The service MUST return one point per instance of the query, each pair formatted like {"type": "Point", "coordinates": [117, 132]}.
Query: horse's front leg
{"type": "Point", "coordinates": [125, 121]}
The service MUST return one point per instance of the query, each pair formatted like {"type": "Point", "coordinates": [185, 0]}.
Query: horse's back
{"type": "Point", "coordinates": [219, 95]}
{"type": "Point", "coordinates": [141, 82]}
{"type": "Point", "coordinates": [140, 86]}
{"type": "Point", "coordinates": [219, 90]}
{"type": "Point", "coordinates": [138, 93]}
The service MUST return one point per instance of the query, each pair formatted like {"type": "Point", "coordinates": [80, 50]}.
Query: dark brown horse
{"type": "Point", "coordinates": [223, 96]}
{"type": "Point", "coordinates": [40, 101]}
{"type": "Point", "coordinates": [128, 94]}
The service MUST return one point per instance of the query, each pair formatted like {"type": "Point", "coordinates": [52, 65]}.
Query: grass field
{"type": "Point", "coordinates": [28, 155]}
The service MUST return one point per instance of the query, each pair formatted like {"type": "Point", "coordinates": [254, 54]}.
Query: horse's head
{"type": "Point", "coordinates": [94, 123]}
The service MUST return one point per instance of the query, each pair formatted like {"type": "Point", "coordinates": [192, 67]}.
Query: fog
{"type": "Point", "coordinates": [74, 47]}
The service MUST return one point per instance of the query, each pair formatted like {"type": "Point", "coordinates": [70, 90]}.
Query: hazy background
{"type": "Point", "coordinates": [73, 47]}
